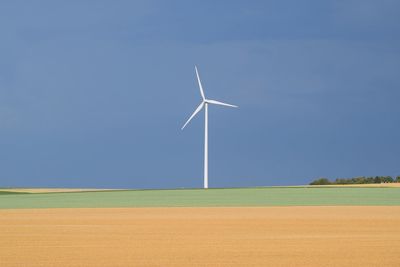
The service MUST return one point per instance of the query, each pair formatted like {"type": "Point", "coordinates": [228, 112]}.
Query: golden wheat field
{"type": "Point", "coordinates": [258, 236]}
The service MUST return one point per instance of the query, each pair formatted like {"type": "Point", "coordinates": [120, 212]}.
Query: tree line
{"type": "Point", "coordinates": [357, 180]}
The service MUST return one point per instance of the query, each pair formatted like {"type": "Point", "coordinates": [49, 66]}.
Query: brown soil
{"type": "Point", "coordinates": [259, 236]}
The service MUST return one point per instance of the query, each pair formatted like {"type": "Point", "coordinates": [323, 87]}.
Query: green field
{"type": "Point", "coordinates": [268, 196]}
{"type": "Point", "coordinates": [9, 193]}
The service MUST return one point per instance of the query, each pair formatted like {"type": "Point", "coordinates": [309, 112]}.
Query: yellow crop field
{"type": "Point", "coordinates": [243, 236]}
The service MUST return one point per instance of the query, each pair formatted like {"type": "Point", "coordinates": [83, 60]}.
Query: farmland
{"type": "Point", "coordinates": [274, 226]}
{"type": "Point", "coordinates": [234, 197]}
{"type": "Point", "coordinates": [235, 236]}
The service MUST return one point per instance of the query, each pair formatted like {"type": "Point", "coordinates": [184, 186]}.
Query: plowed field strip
{"type": "Point", "coordinates": [257, 236]}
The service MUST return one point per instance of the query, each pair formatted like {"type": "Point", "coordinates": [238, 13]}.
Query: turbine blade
{"type": "Point", "coordinates": [200, 86]}
{"type": "Point", "coordinates": [194, 114]}
{"type": "Point", "coordinates": [220, 103]}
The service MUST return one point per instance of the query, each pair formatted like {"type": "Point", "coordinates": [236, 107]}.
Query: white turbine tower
{"type": "Point", "coordinates": [204, 103]}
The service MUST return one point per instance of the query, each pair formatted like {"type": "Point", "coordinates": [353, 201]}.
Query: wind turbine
{"type": "Point", "coordinates": [204, 103]}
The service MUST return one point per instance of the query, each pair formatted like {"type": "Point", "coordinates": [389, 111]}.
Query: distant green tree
{"type": "Point", "coordinates": [369, 180]}
{"type": "Point", "coordinates": [387, 179]}
{"type": "Point", "coordinates": [357, 180]}
{"type": "Point", "coordinates": [321, 181]}
{"type": "Point", "coordinates": [342, 181]}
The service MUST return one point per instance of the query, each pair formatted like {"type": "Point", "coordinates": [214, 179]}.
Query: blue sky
{"type": "Point", "coordinates": [94, 93]}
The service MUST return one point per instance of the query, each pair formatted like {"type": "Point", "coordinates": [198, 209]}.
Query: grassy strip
{"type": "Point", "coordinates": [270, 196]}
{"type": "Point", "coordinates": [11, 193]}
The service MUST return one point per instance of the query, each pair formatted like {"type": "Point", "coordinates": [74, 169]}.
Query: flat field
{"type": "Point", "coordinates": [235, 236]}
{"type": "Point", "coordinates": [52, 190]}
{"type": "Point", "coordinates": [232, 197]}
{"type": "Point", "coordinates": [275, 226]}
